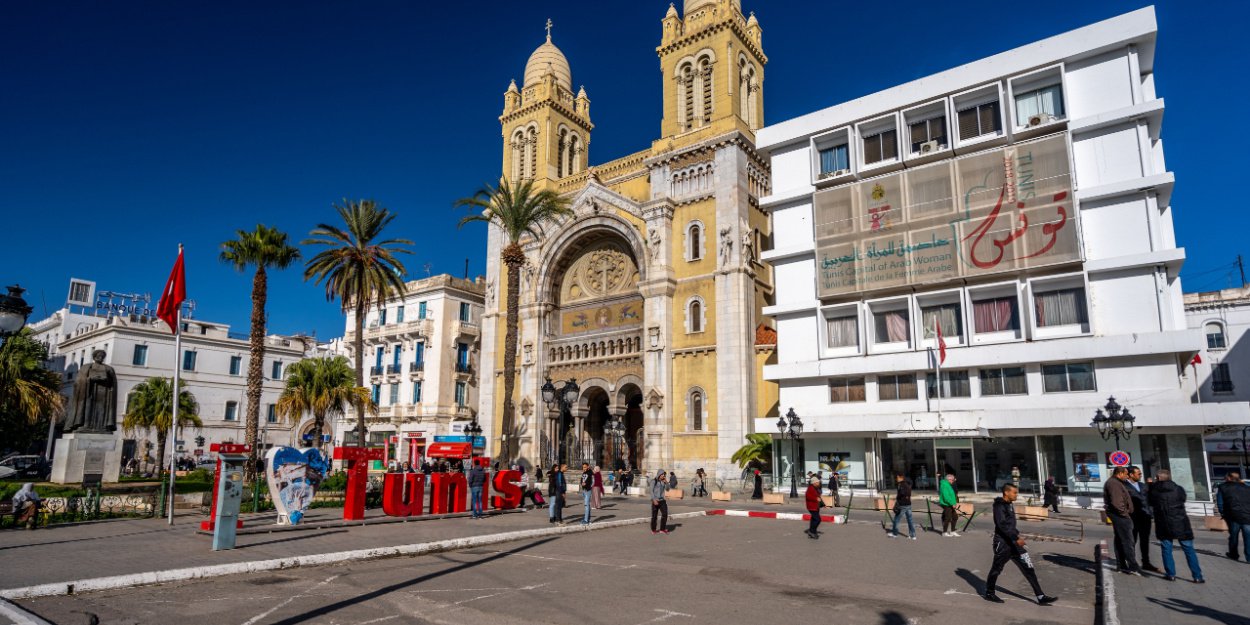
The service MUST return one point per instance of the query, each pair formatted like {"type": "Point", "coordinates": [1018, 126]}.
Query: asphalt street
{"type": "Point", "coordinates": [709, 570]}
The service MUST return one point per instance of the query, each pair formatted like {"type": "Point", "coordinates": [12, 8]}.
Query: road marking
{"type": "Point", "coordinates": [258, 617]}
{"type": "Point", "coordinates": [11, 614]}
{"type": "Point", "coordinates": [1053, 605]}
{"type": "Point", "coordinates": [665, 615]}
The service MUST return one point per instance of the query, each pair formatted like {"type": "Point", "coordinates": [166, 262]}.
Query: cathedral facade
{"type": "Point", "coordinates": [649, 295]}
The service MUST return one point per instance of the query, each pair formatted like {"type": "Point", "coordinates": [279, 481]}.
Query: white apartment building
{"type": "Point", "coordinates": [1222, 373]}
{"type": "Point", "coordinates": [138, 346]}
{"type": "Point", "coordinates": [1020, 206]}
{"type": "Point", "coordinates": [421, 363]}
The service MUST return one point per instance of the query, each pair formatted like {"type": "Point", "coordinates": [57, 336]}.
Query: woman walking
{"type": "Point", "coordinates": [700, 479]}
{"type": "Point", "coordinates": [814, 504]}
{"type": "Point", "coordinates": [596, 495]}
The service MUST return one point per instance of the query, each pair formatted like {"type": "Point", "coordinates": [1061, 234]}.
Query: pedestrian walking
{"type": "Point", "coordinates": [1138, 489]}
{"type": "Point", "coordinates": [587, 485]}
{"type": "Point", "coordinates": [1119, 506]}
{"type": "Point", "coordinates": [596, 498]}
{"type": "Point", "coordinates": [1232, 500]}
{"type": "Point", "coordinates": [555, 495]}
{"type": "Point", "coordinates": [758, 493]}
{"type": "Point", "coordinates": [477, 479]}
{"type": "Point", "coordinates": [1050, 495]}
{"type": "Point", "coordinates": [1167, 502]}
{"type": "Point", "coordinates": [948, 499]}
{"type": "Point", "coordinates": [814, 504]}
{"type": "Point", "coordinates": [1009, 546]}
{"type": "Point", "coordinates": [902, 506]}
{"type": "Point", "coordinates": [26, 504]}
{"type": "Point", "coordinates": [700, 479]}
{"type": "Point", "coordinates": [672, 481]}
{"type": "Point", "coordinates": [834, 485]}
{"type": "Point", "coordinates": [659, 507]}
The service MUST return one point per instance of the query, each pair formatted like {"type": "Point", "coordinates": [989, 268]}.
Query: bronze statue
{"type": "Point", "coordinates": [93, 407]}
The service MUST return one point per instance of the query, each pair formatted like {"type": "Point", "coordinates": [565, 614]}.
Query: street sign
{"type": "Point", "coordinates": [1119, 459]}
{"type": "Point", "coordinates": [478, 441]}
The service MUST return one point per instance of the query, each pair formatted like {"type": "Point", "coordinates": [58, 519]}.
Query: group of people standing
{"type": "Point", "coordinates": [590, 483]}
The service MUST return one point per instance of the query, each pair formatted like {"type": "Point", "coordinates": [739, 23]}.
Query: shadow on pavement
{"type": "Point", "coordinates": [79, 540]}
{"type": "Point", "coordinates": [1072, 562]}
{"type": "Point", "coordinates": [301, 618]}
{"type": "Point", "coordinates": [1193, 609]}
{"type": "Point", "coordinates": [978, 586]}
{"type": "Point", "coordinates": [889, 618]}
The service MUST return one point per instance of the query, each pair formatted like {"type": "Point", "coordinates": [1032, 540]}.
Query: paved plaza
{"type": "Point", "coordinates": [710, 569]}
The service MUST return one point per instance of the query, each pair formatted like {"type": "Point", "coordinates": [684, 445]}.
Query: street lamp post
{"type": "Point", "coordinates": [791, 427]}
{"type": "Point", "coordinates": [14, 311]}
{"type": "Point", "coordinates": [561, 399]}
{"type": "Point", "coordinates": [473, 430]}
{"type": "Point", "coordinates": [1117, 422]}
{"type": "Point", "coordinates": [616, 432]}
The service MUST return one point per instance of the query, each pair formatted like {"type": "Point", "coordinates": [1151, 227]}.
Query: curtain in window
{"type": "Point", "coordinates": [1014, 382]}
{"type": "Point", "coordinates": [1080, 376]}
{"type": "Point", "coordinates": [947, 315]}
{"type": "Point", "coordinates": [892, 326]}
{"type": "Point", "coordinates": [896, 387]}
{"type": "Point", "coordinates": [954, 384]}
{"type": "Point", "coordinates": [1062, 307]}
{"type": "Point", "coordinates": [846, 390]}
{"type": "Point", "coordinates": [968, 124]}
{"type": "Point", "coordinates": [843, 332]}
{"type": "Point", "coordinates": [995, 315]}
{"type": "Point", "coordinates": [1027, 105]}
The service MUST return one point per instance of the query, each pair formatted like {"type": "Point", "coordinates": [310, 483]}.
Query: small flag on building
{"type": "Point", "coordinates": [174, 294]}
{"type": "Point", "coordinates": [941, 345]}
{"type": "Point", "coordinates": [1196, 361]}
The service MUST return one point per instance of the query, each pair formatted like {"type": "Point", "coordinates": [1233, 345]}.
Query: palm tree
{"type": "Point", "coordinates": [516, 211]}
{"type": "Point", "coordinates": [150, 406]}
{"type": "Point", "coordinates": [262, 248]}
{"type": "Point", "coordinates": [323, 387]}
{"type": "Point", "coordinates": [28, 391]}
{"type": "Point", "coordinates": [358, 270]}
{"type": "Point", "coordinates": [758, 451]}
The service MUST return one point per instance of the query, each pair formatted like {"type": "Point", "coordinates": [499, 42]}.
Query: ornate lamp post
{"type": "Point", "coordinates": [1117, 422]}
{"type": "Point", "coordinates": [561, 400]}
{"type": "Point", "coordinates": [473, 430]}
{"type": "Point", "coordinates": [616, 433]}
{"type": "Point", "coordinates": [791, 427]}
{"type": "Point", "coordinates": [14, 311]}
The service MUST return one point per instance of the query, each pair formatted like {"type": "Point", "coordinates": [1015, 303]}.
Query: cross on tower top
{"type": "Point", "coordinates": [549, 29]}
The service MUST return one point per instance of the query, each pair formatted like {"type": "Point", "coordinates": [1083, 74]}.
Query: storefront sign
{"type": "Point", "coordinates": [1085, 467]}
{"type": "Point", "coordinates": [1001, 211]}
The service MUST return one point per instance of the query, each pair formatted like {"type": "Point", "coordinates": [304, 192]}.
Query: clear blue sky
{"type": "Point", "coordinates": [127, 127]}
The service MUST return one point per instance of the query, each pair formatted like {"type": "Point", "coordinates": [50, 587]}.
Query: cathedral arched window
{"type": "Point", "coordinates": [696, 410]}
{"type": "Point", "coordinates": [696, 315]}
{"type": "Point", "coordinates": [517, 146]}
{"type": "Point", "coordinates": [694, 241]}
{"type": "Point", "coordinates": [748, 93]}
{"type": "Point", "coordinates": [705, 88]}
{"type": "Point", "coordinates": [685, 96]}
{"type": "Point", "coordinates": [575, 153]}
{"type": "Point", "coordinates": [531, 152]}
{"type": "Point", "coordinates": [562, 147]}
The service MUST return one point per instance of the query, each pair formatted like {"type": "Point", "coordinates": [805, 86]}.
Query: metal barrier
{"type": "Point", "coordinates": [89, 507]}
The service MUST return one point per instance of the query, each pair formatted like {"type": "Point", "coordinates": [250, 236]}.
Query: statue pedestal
{"type": "Point", "coordinates": [80, 453]}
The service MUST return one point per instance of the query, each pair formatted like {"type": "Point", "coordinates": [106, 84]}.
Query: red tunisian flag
{"type": "Point", "coordinates": [174, 294]}
{"type": "Point", "coordinates": [941, 345]}
{"type": "Point", "coordinates": [1196, 361]}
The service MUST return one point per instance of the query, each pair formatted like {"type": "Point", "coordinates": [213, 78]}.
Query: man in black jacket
{"type": "Point", "coordinates": [1233, 502]}
{"type": "Point", "coordinates": [1008, 545]}
{"type": "Point", "coordinates": [902, 506]}
{"type": "Point", "coordinates": [1167, 501]}
{"type": "Point", "coordinates": [1139, 490]}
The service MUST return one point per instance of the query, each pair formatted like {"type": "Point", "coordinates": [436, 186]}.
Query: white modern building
{"type": "Point", "coordinates": [138, 346]}
{"type": "Point", "coordinates": [1018, 205]}
{"type": "Point", "coordinates": [1222, 370]}
{"type": "Point", "coordinates": [421, 363]}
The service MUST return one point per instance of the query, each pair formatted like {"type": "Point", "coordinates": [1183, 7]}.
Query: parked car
{"type": "Point", "coordinates": [29, 467]}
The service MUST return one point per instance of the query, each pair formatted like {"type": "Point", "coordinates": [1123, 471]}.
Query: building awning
{"type": "Point", "coordinates": [449, 450]}
{"type": "Point", "coordinates": [944, 433]}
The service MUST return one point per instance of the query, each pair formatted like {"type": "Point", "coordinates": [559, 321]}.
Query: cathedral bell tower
{"type": "Point", "coordinates": [546, 127]}
{"type": "Point", "coordinates": [712, 59]}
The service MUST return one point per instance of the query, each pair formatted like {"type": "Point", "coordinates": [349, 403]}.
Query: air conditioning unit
{"type": "Point", "coordinates": [929, 147]}
{"type": "Point", "coordinates": [1040, 118]}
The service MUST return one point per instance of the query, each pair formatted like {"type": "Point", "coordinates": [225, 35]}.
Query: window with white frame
{"type": "Point", "coordinates": [896, 387]}
{"type": "Point", "coordinates": [394, 394]}
{"type": "Point", "coordinates": [1060, 307]}
{"type": "Point", "coordinates": [696, 410]}
{"type": "Point", "coordinates": [891, 325]}
{"type": "Point", "coordinates": [954, 384]}
{"type": "Point", "coordinates": [927, 134]}
{"type": "Point", "coordinates": [696, 316]}
{"type": "Point", "coordinates": [1221, 378]}
{"type": "Point", "coordinates": [1068, 377]}
{"type": "Point", "coordinates": [1004, 381]}
{"type": "Point", "coordinates": [188, 360]}
{"type": "Point", "coordinates": [694, 241]}
{"type": "Point", "coordinates": [944, 316]}
{"type": "Point", "coordinates": [462, 392]}
{"type": "Point", "coordinates": [842, 329]}
{"type": "Point", "coordinates": [881, 146]}
{"type": "Point", "coordinates": [996, 314]}
{"type": "Point", "coordinates": [232, 411]}
{"type": "Point", "coordinates": [416, 392]}
{"type": "Point", "coordinates": [1039, 103]}
{"type": "Point", "coordinates": [835, 158]}
{"type": "Point", "coordinates": [979, 119]}
{"type": "Point", "coordinates": [846, 390]}
{"type": "Point", "coordinates": [1215, 335]}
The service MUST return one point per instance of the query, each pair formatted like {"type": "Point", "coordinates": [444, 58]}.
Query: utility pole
{"type": "Point", "coordinates": [1241, 267]}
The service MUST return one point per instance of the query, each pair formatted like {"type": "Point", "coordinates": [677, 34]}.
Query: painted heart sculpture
{"type": "Point", "coordinates": [294, 475]}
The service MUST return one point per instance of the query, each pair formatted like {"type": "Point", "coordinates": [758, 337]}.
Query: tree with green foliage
{"type": "Point", "coordinates": [516, 211]}
{"type": "Point", "coordinates": [359, 270]}
{"type": "Point", "coordinates": [758, 451]}
{"type": "Point", "coordinates": [322, 387]}
{"type": "Point", "coordinates": [29, 393]}
{"type": "Point", "coordinates": [150, 408]}
{"type": "Point", "coordinates": [262, 248]}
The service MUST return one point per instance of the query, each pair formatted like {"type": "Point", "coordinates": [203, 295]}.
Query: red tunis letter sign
{"type": "Point", "coordinates": [356, 463]}
{"type": "Point", "coordinates": [448, 492]}
{"type": "Point", "coordinates": [403, 494]}
{"type": "Point", "coordinates": [510, 495]}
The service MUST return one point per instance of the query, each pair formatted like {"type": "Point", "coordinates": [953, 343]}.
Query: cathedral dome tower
{"type": "Point", "coordinates": [548, 58]}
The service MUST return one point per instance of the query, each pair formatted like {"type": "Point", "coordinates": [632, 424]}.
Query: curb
{"type": "Point", "coordinates": [10, 613]}
{"type": "Point", "coordinates": [784, 516]}
{"type": "Point", "coordinates": [1106, 613]}
{"type": "Point", "coordinates": [219, 570]}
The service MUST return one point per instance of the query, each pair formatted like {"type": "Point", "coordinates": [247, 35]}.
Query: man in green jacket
{"type": "Point", "coordinates": [948, 500]}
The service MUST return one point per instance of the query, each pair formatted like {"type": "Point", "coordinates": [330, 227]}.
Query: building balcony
{"type": "Point", "coordinates": [377, 370]}
{"type": "Point", "coordinates": [467, 328]}
{"type": "Point", "coordinates": [464, 367]}
{"type": "Point", "coordinates": [418, 365]}
{"type": "Point", "coordinates": [394, 369]}
{"type": "Point", "coordinates": [419, 327]}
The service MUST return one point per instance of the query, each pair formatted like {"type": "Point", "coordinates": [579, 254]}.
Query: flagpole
{"type": "Point", "coordinates": [173, 426]}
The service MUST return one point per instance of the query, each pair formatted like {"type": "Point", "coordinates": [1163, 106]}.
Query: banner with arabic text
{"type": "Point", "coordinates": [1001, 211]}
